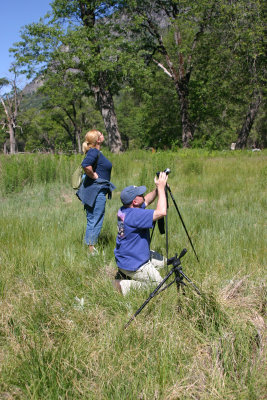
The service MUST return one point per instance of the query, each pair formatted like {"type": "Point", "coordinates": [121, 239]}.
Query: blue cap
{"type": "Point", "coordinates": [130, 192]}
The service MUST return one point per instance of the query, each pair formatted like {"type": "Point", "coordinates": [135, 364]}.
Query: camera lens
{"type": "Point", "coordinates": [167, 171]}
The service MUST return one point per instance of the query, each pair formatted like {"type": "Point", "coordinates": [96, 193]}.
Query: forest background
{"type": "Point", "coordinates": [149, 74]}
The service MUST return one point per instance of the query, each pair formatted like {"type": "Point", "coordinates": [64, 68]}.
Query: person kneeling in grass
{"type": "Point", "coordinates": [132, 252]}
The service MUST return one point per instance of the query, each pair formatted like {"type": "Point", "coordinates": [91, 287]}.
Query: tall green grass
{"type": "Point", "coordinates": [18, 171]}
{"type": "Point", "coordinates": [61, 329]}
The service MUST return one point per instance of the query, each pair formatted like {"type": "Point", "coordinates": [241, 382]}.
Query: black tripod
{"type": "Point", "coordinates": [179, 276]}
{"type": "Point", "coordinates": [161, 221]}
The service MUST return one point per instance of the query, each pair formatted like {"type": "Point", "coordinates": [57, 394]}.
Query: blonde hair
{"type": "Point", "coordinates": [90, 140]}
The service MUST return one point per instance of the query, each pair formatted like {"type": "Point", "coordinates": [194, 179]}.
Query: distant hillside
{"type": "Point", "coordinates": [31, 97]}
{"type": "Point", "coordinates": [33, 86]}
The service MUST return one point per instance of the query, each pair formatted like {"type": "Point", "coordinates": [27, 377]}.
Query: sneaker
{"type": "Point", "coordinates": [117, 286]}
{"type": "Point", "coordinates": [120, 275]}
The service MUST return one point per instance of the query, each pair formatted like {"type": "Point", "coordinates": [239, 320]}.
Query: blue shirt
{"type": "Point", "coordinates": [133, 239]}
{"type": "Point", "coordinates": [90, 188]}
{"type": "Point", "coordinates": [104, 166]}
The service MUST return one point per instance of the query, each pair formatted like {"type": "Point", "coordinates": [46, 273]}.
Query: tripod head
{"type": "Point", "coordinates": [175, 261]}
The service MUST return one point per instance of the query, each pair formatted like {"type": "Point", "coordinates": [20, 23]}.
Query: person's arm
{"type": "Point", "coordinates": [90, 172]}
{"type": "Point", "coordinates": [161, 209]}
{"type": "Point", "coordinates": [150, 197]}
{"type": "Point", "coordinates": [89, 163]}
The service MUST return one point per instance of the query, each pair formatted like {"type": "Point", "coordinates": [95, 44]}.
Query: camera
{"type": "Point", "coordinates": [167, 171]}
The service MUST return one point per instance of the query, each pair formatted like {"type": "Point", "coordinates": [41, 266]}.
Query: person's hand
{"type": "Point", "coordinates": [89, 172]}
{"type": "Point", "coordinates": [161, 180]}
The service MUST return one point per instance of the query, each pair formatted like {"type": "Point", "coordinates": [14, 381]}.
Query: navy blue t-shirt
{"type": "Point", "coordinates": [133, 240]}
{"type": "Point", "coordinates": [104, 166]}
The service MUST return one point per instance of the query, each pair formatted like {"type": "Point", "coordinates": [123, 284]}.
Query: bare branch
{"type": "Point", "coordinates": [162, 67]}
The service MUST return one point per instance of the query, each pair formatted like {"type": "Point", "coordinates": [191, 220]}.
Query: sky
{"type": "Point", "coordinates": [14, 14]}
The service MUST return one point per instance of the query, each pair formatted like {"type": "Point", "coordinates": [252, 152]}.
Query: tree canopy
{"type": "Point", "coordinates": [155, 73]}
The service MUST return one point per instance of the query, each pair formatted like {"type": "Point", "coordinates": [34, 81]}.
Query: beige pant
{"type": "Point", "coordinates": [146, 275]}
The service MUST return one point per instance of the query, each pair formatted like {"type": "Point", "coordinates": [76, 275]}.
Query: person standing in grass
{"type": "Point", "coordinates": [132, 253]}
{"type": "Point", "coordinates": [95, 186]}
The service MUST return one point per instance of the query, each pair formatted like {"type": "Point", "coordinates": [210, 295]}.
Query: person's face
{"type": "Point", "coordinates": [101, 138]}
{"type": "Point", "coordinates": [138, 201]}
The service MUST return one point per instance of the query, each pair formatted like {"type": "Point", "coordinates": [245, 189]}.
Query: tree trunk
{"type": "Point", "coordinates": [187, 129]}
{"type": "Point", "coordinates": [78, 138]}
{"type": "Point", "coordinates": [12, 139]}
{"type": "Point", "coordinates": [183, 92]}
{"type": "Point", "coordinates": [243, 134]}
{"type": "Point", "coordinates": [50, 143]}
{"type": "Point", "coordinates": [103, 96]}
{"type": "Point", "coordinates": [181, 79]}
{"type": "Point", "coordinates": [11, 106]}
{"type": "Point", "coordinates": [105, 104]}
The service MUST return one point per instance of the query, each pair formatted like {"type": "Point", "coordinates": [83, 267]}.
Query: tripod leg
{"type": "Point", "coordinates": [179, 284]}
{"type": "Point", "coordinates": [191, 283]}
{"type": "Point", "coordinates": [150, 297]}
{"type": "Point", "coordinates": [166, 223]}
{"type": "Point", "coordinates": [179, 281]}
{"type": "Point", "coordinates": [180, 216]}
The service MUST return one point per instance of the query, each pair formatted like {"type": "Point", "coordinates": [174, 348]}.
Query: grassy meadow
{"type": "Point", "coordinates": [61, 328]}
